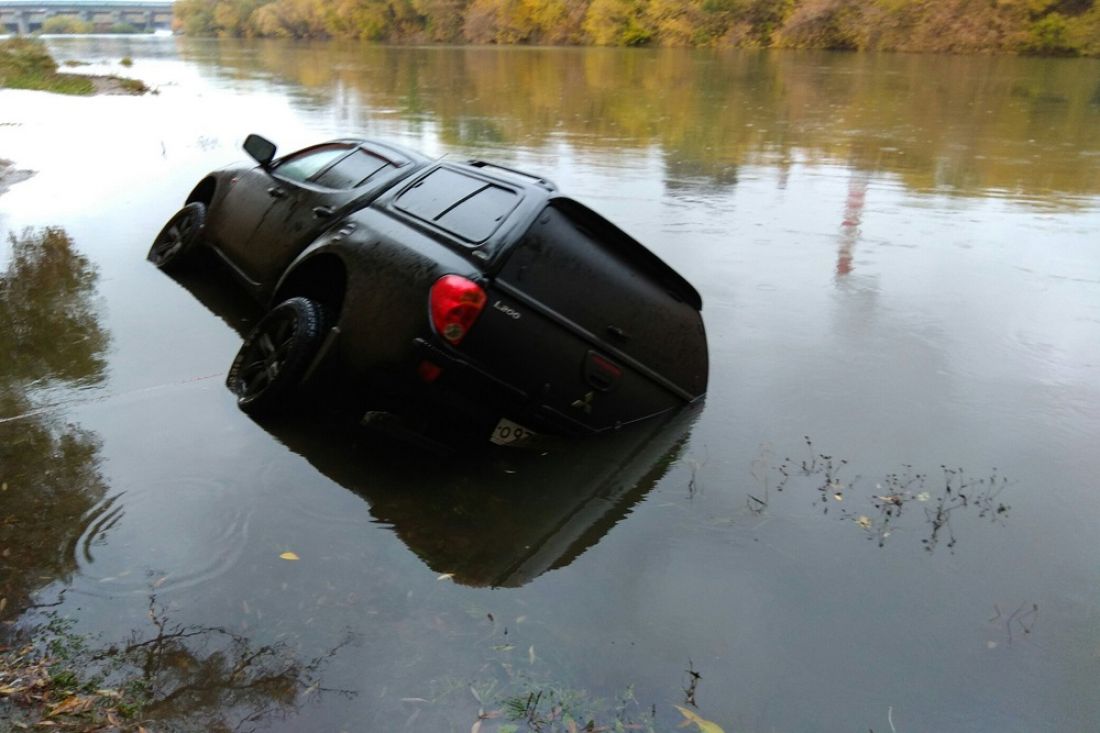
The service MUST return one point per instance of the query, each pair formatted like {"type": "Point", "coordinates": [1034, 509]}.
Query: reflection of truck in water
{"type": "Point", "coordinates": [399, 281]}
{"type": "Point", "coordinates": [493, 524]}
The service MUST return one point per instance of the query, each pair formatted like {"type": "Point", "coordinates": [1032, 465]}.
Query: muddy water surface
{"type": "Point", "coordinates": [883, 517]}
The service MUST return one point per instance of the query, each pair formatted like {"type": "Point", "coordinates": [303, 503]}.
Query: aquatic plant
{"type": "Point", "coordinates": [877, 510]}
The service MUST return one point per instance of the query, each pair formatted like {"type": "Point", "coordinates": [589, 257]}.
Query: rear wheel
{"type": "Point", "coordinates": [179, 236]}
{"type": "Point", "coordinates": [274, 357]}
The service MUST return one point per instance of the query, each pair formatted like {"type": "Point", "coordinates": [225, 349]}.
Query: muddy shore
{"type": "Point", "coordinates": [10, 175]}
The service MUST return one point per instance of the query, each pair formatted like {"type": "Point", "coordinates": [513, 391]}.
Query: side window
{"type": "Point", "coordinates": [352, 171]}
{"type": "Point", "coordinates": [300, 166]}
{"type": "Point", "coordinates": [468, 207]}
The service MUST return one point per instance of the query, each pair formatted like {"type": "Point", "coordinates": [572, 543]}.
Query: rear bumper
{"type": "Point", "coordinates": [464, 386]}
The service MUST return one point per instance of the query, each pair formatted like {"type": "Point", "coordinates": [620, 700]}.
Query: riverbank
{"type": "Point", "coordinates": [1038, 27]}
{"type": "Point", "coordinates": [26, 64]}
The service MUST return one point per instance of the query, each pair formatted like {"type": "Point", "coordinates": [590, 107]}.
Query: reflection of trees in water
{"type": "Point", "coordinates": [168, 676]}
{"type": "Point", "coordinates": [49, 476]}
{"type": "Point", "coordinates": [959, 124]}
{"type": "Point", "coordinates": [50, 487]}
{"type": "Point", "coordinates": [49, 328]}
{"type": "Point", "coordinates": [180, 677]}
{"type": "Point", "coordinates": [206, 678]}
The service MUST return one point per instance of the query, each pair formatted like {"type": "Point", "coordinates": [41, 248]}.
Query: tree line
{"type": "Point", "coordinates": [1053, 27]}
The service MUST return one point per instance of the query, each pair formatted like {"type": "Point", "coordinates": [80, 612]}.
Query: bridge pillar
{"type": "Point", "coordinates": [150, 20]}
{"type": "Point", "coordinates": [23, 20]}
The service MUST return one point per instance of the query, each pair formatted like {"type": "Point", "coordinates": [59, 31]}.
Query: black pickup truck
{"type": "Point", "coordinates": [406, 284]}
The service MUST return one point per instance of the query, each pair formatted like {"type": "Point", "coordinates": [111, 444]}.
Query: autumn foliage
{"type": "Point", "coordinates": [1070, 27]}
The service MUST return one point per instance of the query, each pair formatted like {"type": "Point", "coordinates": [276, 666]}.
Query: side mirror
{"type": "Point", "coordinates": [260, 148]}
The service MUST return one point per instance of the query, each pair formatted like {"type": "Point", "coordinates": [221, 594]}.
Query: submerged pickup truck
{"type": "Point", "coordinates": [410, 286]}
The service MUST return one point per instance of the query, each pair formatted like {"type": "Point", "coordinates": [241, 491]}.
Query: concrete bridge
{"type": "Point", "coordinates": [27, 16]}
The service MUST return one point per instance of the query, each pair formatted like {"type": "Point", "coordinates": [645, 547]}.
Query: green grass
{"type": "Point", "coordinates": [26, 64]}
{"type": "Point", "coordinates": [133, 86]}
{"type": "Point", "coordinates": [59, 83]}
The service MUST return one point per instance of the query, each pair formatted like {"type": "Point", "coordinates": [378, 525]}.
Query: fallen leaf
{"type": "Point", "coordinates": [923, 496]}
{"type": "Point", "coordinates": [705, 726]}
{"type": "Point", "coordinates": [3, 604]}
{"type": "Point", "coordinates": [838, 496]}
{"type": "Point", "coordinates": [864, 521]}
{"type": "Point", "coordinates": [446, 576]}
{"type": "Point", "coordinates": [70, 706]}
{"type": "Point", "coordinates": [531, 654]}
{"type": "Point", "coordinates": [476, 727]}
{"type": "Point", "coordinates": [160, 581]}
{"type": "Point", "coordinates": [289, 556]}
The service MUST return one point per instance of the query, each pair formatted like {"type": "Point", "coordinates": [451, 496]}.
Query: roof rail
{"type": "Point", "coordinates": [544, 182]}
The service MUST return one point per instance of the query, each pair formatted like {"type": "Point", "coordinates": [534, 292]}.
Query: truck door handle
{"type": "Point", "coordinates": [322, 212]}
{"type": "Point", "coordinates": [276, 193]}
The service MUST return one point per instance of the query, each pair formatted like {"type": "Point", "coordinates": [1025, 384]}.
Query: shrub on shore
{"type": "Point", "coordinates": [1056, 27]}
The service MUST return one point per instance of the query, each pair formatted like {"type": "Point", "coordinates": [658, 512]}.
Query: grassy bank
{"type": "Point", "coordinates": [26, 64]}
{"type": "Point", "coordinates": [1048, 27]}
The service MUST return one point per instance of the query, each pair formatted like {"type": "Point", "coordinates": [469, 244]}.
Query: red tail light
{"type": "Point", "coordinates": [455, 304]}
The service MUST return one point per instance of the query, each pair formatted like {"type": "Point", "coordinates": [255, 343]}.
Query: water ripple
{"type": "Point", "coordinates": [172, 534]}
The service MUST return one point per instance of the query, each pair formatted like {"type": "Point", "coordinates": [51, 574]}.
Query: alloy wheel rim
{"type": "Point", "coordinates": [173, 238]}
{"type": "Point", "coordinates": [265, 356]}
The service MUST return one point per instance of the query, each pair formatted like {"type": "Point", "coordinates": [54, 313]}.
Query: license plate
{"type": "Point", "coordinates": [509, 433]}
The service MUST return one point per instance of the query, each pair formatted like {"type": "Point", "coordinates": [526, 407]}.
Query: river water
{"type": "Point", "coordinates": [882, 519]}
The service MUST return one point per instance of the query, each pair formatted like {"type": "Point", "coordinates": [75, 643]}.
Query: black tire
{"type": "Point", "coordinates": [274, 357]}
{"type": "Point", "coordinates": [179, 237]}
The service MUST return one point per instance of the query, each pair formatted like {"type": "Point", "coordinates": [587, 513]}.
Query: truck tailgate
{"type": "Point", "coordinates": [593, 327]}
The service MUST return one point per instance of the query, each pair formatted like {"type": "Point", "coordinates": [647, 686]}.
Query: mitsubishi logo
{"type": "Point", "coordinates": [586, 403]}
